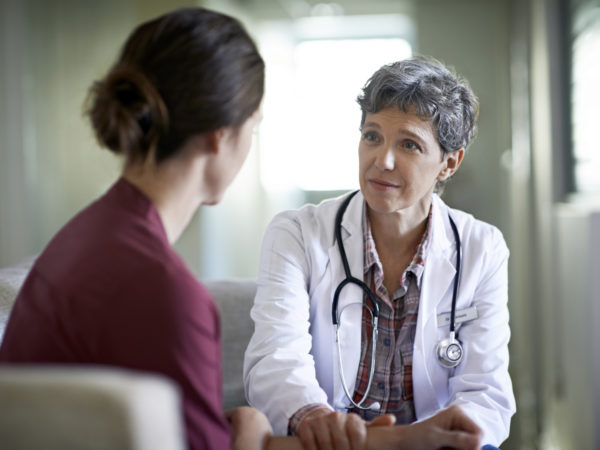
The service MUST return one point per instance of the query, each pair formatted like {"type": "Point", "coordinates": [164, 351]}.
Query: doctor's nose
{"type": "Point", "coordinates": [384, 159]}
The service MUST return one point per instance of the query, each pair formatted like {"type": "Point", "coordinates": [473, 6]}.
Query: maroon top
{"type": "Point", "coordinates": [110, 290]}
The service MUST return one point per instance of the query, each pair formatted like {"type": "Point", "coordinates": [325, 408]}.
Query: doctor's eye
{"type": "Point", "coordinates": [370, 136]}
{"type": "Point", "coordinates": [411, 145]}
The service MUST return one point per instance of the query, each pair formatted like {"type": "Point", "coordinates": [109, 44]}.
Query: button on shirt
{"type": "Point", "coordinates": [392, 383]}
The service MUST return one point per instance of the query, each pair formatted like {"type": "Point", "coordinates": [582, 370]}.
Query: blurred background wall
{"type": "Point", "coordinates": [533, 170]}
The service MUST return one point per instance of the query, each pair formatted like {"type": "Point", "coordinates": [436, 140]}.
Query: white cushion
{"type": "Point", "coordinates": [73, 407]}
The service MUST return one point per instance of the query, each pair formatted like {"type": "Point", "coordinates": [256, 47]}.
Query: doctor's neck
{"type": "Point", "coordinates": [400, 227]}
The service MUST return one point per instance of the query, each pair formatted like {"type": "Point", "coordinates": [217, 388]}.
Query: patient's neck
{"type": "Point", "coordinates": [174, 188]}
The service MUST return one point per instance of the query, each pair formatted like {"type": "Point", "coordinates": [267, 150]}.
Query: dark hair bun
{"type": "Point", "coordinates": [183, 74]}
{"type": "Point", "coordinates": [127, 112]}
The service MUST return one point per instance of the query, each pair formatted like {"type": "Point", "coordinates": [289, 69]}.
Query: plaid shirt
{"type": "Point", "coordinates": [392, 380]}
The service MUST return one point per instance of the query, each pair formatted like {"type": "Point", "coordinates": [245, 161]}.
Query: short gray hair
{"type": "Point", "coordinates": [427, 87]}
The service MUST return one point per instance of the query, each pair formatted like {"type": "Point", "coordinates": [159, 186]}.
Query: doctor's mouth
{"type": "Point", "coordinates": [382, 185]}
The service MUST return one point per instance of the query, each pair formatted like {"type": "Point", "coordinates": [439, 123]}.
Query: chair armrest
{"type": "Point", "coordinates": [61, 407]}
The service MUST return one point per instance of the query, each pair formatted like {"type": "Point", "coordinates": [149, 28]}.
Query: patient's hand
{"type": "Point", "coordinates": [450, 428]}
{"type": "Point", "coordinates": [250, 428]}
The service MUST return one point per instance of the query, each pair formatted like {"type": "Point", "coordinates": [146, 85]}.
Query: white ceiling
{"type": "Point", "coordinates": [291, 9]}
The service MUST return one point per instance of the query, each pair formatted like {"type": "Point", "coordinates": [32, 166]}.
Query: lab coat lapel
{"type": "Point", "coordinates": [439, 269]}
{"type": "Point", "coordinates": [350, 323]}
{"type": "Point", "coordinates": [437, 280]}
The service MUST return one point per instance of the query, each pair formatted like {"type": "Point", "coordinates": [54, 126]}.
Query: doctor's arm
{"type": "Point", "coordinates": [279, 371]}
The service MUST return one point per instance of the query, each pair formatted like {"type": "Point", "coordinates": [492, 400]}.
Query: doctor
{"type": "Point", "coordinates": [386, 300]}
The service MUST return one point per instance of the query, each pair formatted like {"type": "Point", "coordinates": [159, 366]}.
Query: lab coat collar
{"type": "Point", "coordinates": [439, 266]}
{"type": "Point", "coordinates": [352, 220]}
{"type": "Point", "coordinates": [442, 239]}
{"type": "Point", "coordinates": [352, 238]}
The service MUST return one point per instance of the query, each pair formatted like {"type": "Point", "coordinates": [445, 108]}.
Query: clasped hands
{"type": "Point", "coordinates": [326, 429]}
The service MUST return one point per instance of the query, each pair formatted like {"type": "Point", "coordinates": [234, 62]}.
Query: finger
{"type": "Point", "coordinates": [356, 430]}
{"type": "Point", "coordinates": [336, 423]}
{"type": "Point", "coordinates": [466, 424]}
{"type": "Point", "coordinates": [460, 421]}
{"type": "Point", "coordinates": [459, 439]}
{"type": "Point", "coordinates": [322, 434]}
{"type": "Point", "coordinates": [306, 436]}
{"type": "Point", "coordinates": [384, 420]}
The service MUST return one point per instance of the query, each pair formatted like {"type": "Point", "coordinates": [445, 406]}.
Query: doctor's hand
{"type": "Point", "coordinates": [449, 428]}
{"type": "Point", "coordinates": [326, 429]}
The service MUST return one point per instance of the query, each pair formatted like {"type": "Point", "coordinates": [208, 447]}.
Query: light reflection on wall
{"type": "Point", "coordinates": [310, 131]}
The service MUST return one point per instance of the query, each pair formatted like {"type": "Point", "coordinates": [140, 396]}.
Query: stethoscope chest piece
{"type": "Point", "coordinates": [449, 352]}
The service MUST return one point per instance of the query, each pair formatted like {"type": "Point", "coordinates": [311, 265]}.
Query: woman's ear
{"type": "Point", "coordinates": [213, 140]}
{"type": "Point", "coordinates": [452, 162]}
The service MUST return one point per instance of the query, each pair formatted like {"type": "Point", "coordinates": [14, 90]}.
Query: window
{"type": "Point", "coordinates": [586, 101]}
{"type": "Point", "coordinates": [310, 131]}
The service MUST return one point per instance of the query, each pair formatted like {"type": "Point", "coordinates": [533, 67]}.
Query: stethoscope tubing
{"type": "Point", "coordinates": [457, 279]}
{"type": "Point", "coordinates": [349, 278]}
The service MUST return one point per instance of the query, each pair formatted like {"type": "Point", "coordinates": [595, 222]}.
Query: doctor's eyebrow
{"type": "Point", "coordinates": [411, 134]}
{"type": "Point", "coordinates": [370, 124]}
{"type": "Point", "coordinates": [401, 131]}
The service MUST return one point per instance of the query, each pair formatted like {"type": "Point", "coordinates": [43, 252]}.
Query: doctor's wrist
{"type": "Point", "coordinates": [310, 410]}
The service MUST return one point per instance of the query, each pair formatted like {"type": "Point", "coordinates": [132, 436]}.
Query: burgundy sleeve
{"type": "Point", "coordinates": [177, 333]}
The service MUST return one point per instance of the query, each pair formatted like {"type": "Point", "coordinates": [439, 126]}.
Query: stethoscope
{"type": "Point", "coordinates": [449, 351]}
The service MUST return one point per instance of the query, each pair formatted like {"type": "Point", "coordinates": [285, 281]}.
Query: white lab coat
{"type": "Point", "coordinates": [291, 359]}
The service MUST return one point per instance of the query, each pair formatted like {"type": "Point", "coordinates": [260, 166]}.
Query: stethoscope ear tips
{"type": "Point", "coordinates": [449, 352]}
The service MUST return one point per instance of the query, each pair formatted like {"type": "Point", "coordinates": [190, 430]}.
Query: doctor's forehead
{"type": "Point", "coordinates": [396, 120]}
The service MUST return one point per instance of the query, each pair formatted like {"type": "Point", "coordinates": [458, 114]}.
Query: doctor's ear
{"type": "Point", "coordinates": [452, 161]}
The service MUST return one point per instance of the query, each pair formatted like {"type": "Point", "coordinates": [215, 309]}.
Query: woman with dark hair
{"type": "Point", "coordinates": [385, 300]}
{"type": "Point", "coordinates": [179, 104]}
